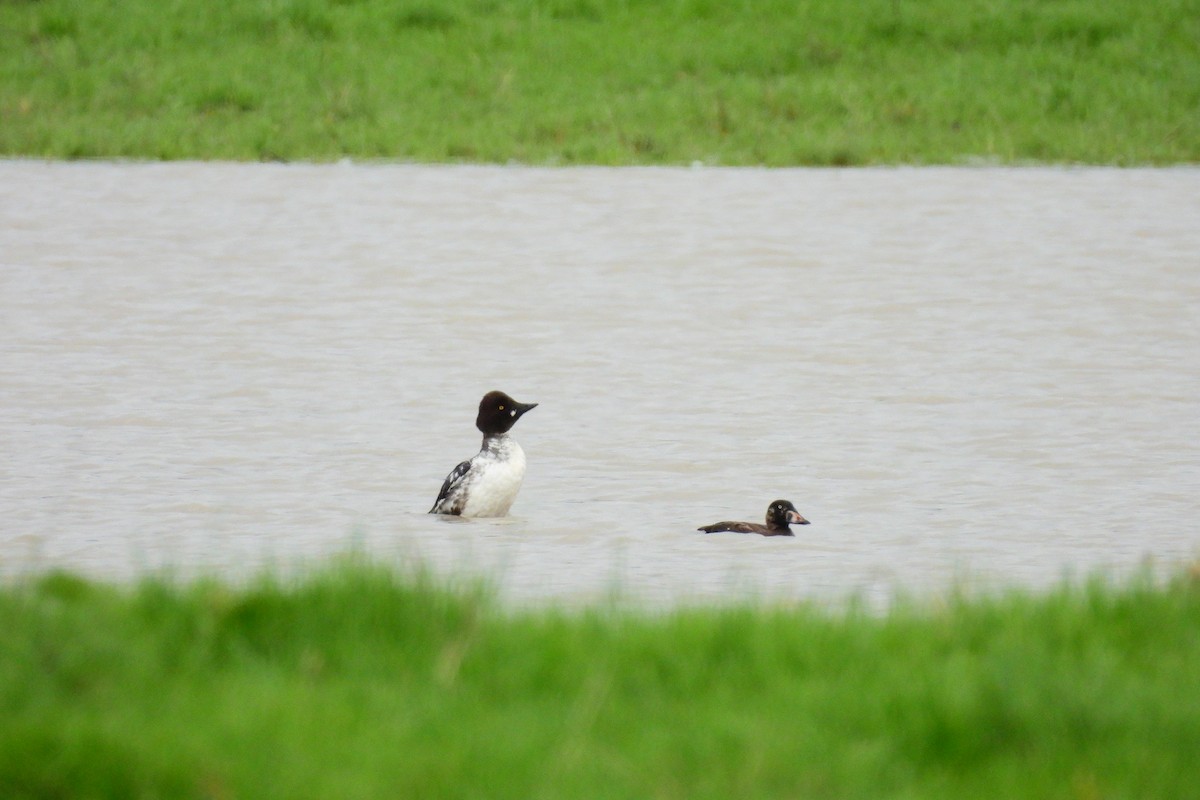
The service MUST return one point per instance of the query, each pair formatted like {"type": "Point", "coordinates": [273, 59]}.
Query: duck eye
{"type": "Point", "coordinates": [501, 408]}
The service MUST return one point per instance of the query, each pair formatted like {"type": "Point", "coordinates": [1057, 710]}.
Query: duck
{"type": "Point", "coordinates": [780, 514]}
{"type": "Point", "coordinates": [487, 484]}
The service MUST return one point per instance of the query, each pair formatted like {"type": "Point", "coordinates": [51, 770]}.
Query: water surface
{"type": "Point", "coordinates": [961, 376]}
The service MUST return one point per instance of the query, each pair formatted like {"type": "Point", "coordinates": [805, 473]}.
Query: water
{"type": "Point", "coordinates": [981, 377]}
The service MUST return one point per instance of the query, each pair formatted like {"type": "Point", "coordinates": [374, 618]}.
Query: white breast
{"type": "Point", "coordinates": [500, 469]}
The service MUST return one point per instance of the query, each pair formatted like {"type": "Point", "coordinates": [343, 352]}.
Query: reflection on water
{"type": "Point", "coordinates": [986, 376]}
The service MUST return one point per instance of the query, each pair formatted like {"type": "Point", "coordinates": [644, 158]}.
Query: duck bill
{"type": "Point", "coordinates": [795, 519]}
{"type": "Point", "coordinates": [521, 408]}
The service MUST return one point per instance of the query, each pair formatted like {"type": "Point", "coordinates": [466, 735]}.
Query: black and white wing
{"type": "Point", "coordinates": [452, 498]}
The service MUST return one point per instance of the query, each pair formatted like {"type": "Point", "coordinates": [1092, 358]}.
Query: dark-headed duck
{"type": "Point", "coordinates": [780, 514]}
{"type": "Point", "coordinates": [487, 485]}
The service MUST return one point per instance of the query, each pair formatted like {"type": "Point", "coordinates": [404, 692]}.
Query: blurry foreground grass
{"type": "Point", "coordinates": [356, 682]}
{"type": "Point", "coordinates": [604, 81]}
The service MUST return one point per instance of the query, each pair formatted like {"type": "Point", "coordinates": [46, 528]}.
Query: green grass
{"type": "Point", "coordinates": [358, 682]}
{"type": "Point", "coordinates": [773, 82]}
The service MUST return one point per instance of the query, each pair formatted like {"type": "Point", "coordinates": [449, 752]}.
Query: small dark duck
{"type": "Point", "coordinates": [780, 515]}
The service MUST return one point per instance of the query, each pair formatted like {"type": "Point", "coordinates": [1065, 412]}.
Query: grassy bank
{"type": "Point", "coordinates": [604, 81]}
{"type": "Point", "coordinates": [357, 683]}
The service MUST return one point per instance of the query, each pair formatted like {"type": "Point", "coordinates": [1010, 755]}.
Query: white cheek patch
{"type": "Point", "coordinates": [512, 413]}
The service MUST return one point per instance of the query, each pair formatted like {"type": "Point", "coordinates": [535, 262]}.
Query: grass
{"type": "Point", "coordinates": [770, 82]}
{"type": "Point", "coordinates": [359, 682]}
